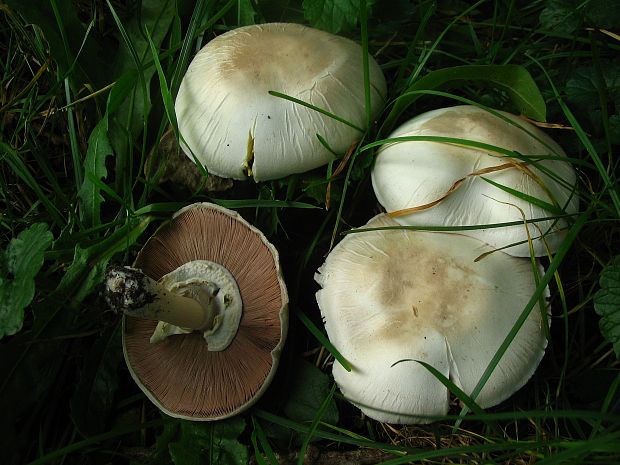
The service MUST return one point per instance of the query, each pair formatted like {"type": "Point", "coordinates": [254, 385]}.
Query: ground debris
{"type": "Point", "coordinates": [317, 456]}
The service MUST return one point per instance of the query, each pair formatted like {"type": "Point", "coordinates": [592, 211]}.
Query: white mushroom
{"type": "Point", "coordinates": [392, 295]}
{"type": "Point", "coordinates": [206, 314]}
{"type": "Point", "coordinates": [445, 182]}
{"type": "Point", "coordinates": [233, 126]}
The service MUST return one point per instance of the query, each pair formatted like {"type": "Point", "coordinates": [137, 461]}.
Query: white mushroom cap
{"type": "Point", "coordinates": [234, 127]}
{"type": "Point", "coordinates": [392, 295]}
{"type": "Point", "coordinates": [417, 173]}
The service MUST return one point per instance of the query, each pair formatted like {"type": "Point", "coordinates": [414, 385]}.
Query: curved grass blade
{"type": "Point", "coordinates": [315, 108]}
{"type": "Point", "coordinates": [314, 425]}
{"type": "Point", "coordinates": [318, 334]}
{"type": "Point", "coordinates": [515, 80]}
{"type": "Point", "coordinates": [542, 285]}
{"type": "Point", "coordinates": [115, 433]}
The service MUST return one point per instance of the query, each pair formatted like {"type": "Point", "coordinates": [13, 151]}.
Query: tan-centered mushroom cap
{"type": "Point", "coordinates": [392, 295]}
{"type": "Point", "coordinates": [230, 122]}
{"type": "Point", "coordinates": [417, 173]}
{"type": "Point", "coordinates": [179, 374]}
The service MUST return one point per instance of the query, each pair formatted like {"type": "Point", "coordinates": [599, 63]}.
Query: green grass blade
{"type": "Point", "coordinates": [163, 85]}
{"type": "Point", "coordinates": [315, 108]}
{"type": "Point", "coordinates": [76, 157]}
{"type": "Point", "coordinates": [17, 165]}
{"type": "Point", "coordinates": [318, 334]}
{"type": "Point", "coordinates": [314, 425]}
{"type": "Point", "coordinates": [458, 227]}
{"type": "Point", "coordinates": [318, 432]}
{"type": "Point", "coordinates": [514, 79]}
{"type": "Point", "coordinates": [540, 289]}
{"type": "Point", "coordinates": [611, 186]}
{"type": "Point", "coordinates": [551, 208]}
{"type": "Point", "coordinates": [453, 388]}
{"type": "Point", "coordinates": [99, 438]}
{"type": "Point", "coordinates": [263, 440]}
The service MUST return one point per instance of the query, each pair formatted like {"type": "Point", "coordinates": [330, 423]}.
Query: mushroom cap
{"type": "Point", "coordinates": [180, 375]}
{"type": "Point", "coordinates": [392, 295]}
{"type": "Point", "coordinates": [230, 122]}
{"type": "Point", "coordinates": [414, 173]}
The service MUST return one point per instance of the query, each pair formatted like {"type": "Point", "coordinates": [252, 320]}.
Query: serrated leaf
{"type": "Point", "coordinates": [310, 387]}
{"type": "Point", "coordinates": [97, 383]}
{"type": "Point", "coordinates": [607, 304]}
{"type": "Point", "coordinates": [99, 149]}
{"type": "Point", "coordinates": [19, 264]}
{"type": "Point", "coordinates": [332, 15]}
{"type": "Point", "coordinates": [515, 80]}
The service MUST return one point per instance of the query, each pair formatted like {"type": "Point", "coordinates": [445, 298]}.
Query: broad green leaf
{"type": "Point", "coordinates": [32, 358]}
{"type": "Point", "coordinates": [161, 450]}
{"type": "Point", "coordinates": [89, 263]}
{"type": "Point", "coordinates": [561, 16]}
{"type": "Point", "coordinates": [19, 264]}
{"type": "Point", "coordinates": [607, 304]}
{"type": "Point", "coordinates": [129, 119]}
{"type": "Point", "coordinates": [588, 88]}
{"type": "Point", "coordinates": [332, 15]}
{"type": "Point", "coordinates": [584, 85]}
{"type": "Point", "coordinates": [309, 388]}
{"type": "Point", "coordinates": [214, 442]}
{"type": "Point", "coordinates": [99, 149]}
{"type": "Point", "coordinates": [246, 14]}
{"type": "Point", "coordinates": [121, 89]}
{"type": "Point", "coordinates": [568, 16]}
{"type": "Point", "coordinates": [603, 14]}
{"type": "Point", "coordinates": [98, 382]}
{"type": "Point", "coordinates": [515, 80]}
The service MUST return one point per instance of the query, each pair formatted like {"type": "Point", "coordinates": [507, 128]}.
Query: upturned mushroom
{"type": "Point", "coordinates": [396, 295]}
{"type": "Point", "coordinates": [206, 314]}
{"type": "Point", "coordinates": [230, 123]}
{"type": "Point", "coordinates": [422, 182]}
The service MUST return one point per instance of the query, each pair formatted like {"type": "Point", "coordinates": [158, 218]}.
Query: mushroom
{"type": "Point", "coordinates": [206, 314]}
{"type": "Point", "coordinates": [232, 125]}
{"type": "Point", "coordinates": [451, 184]}
{"type": "Point", "coordinates": [396, 295]}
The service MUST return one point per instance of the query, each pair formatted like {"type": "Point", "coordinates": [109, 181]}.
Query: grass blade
{"type": "Point", "coordinates": [318, 334]}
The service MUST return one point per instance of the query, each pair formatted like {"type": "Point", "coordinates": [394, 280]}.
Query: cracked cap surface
{"type": "Point", "coordinates": [233, 125]}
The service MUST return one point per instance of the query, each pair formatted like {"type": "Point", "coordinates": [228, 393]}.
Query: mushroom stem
{"type": "Point", "coordinates": [131, 291]}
